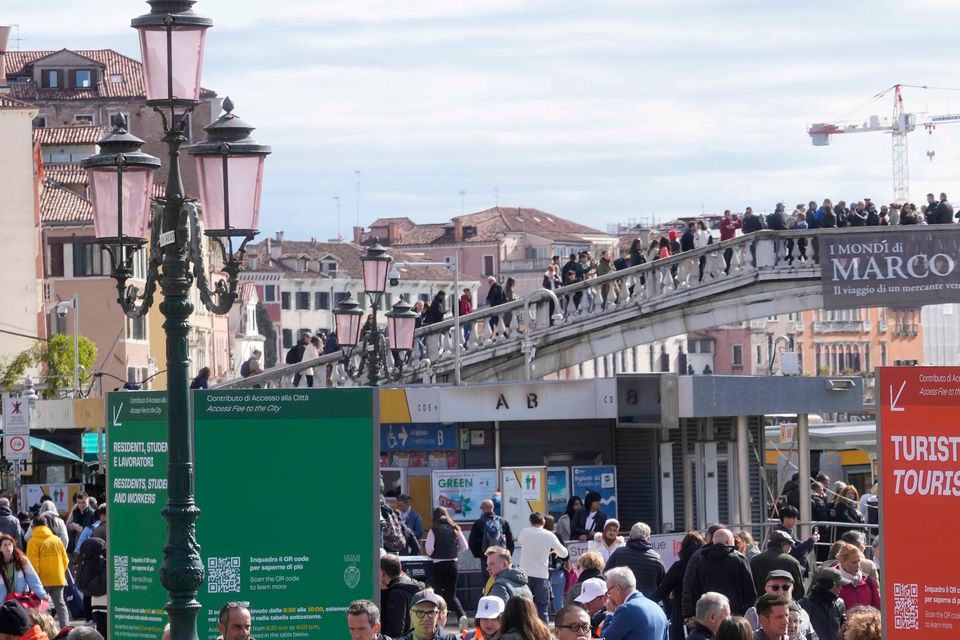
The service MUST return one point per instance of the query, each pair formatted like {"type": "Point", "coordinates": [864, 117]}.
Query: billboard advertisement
{"type": "Point", "coordinates": [895, 269]}
{"type": "Point", "coordinates": [602, 479]}
{"type": "Point", "coordinates": [524, 491]}
{"type": "Point", "coordinates": [460, 492]}
{"type": "Point", "coordinates": [558, 489]}
{"type": "Point", "coordinates": [919, 444]}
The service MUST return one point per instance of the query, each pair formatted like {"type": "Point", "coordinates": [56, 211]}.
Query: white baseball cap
{"type": "Point", "coordinates": [490, 607]}
{"type": "Point", "coordinates": [592, 589]}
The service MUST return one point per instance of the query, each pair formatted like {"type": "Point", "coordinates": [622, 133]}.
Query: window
{"type": "Point", "coordinates": [55, 260]}
{"type": "Point", "coordinates": [87, 260]}
{"type": "Point", "coordinates": [287, 338]}
{"type": "Point", "coordinates": [40, 122]}
{"type": "Point", "coordinates": [738, 355]}
{"type": "Point", "coordinates": [137, 328]}
{"type": "Point", "coordinates": [83, 118]}
{"type": "Point", "coordinates": [303, 300]}
{"type": "Point", "coordinates": [488, 265]}
{"type": "Point", "coordinates": [301, 264]}
{"type": "Point", "coordinates": [82, 78]}
{"type": "Point", "coordinates": [691, 346]}
{"type": "Point", "coordinates": [50, 79]}
{"type": "Point", "coordinates": [706, 346]}
{"type": "Point", "coordinates": [423, 297]}
{"type": "Point", "coordinates": [329, 267]}
{"type": "Point", "coordinates": [321, 300]}
{"type": "Point", "coordinates": [759, 354]}
{"type": "Point", "coordinates": [285, 300]}
{"type": "Point", "coordinates": [269, 293]}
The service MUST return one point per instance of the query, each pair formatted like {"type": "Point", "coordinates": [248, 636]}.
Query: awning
{"type": "Point", "coordinates": [53, 449]}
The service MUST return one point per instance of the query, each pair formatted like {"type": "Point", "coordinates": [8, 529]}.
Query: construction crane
{"type": "Point", "coordinates": [898, 126]}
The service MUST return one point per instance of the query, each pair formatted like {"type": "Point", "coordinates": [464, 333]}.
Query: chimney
{"type": "Point", "coordinates": [280, 237]}
{"type": "Point", "coordinates": [457, 230]}
{"type": "Point", "coordinates": [357, 235]}
{"type": "Point", "coordinates": [4, 39]}
{"type": "Point", "coordinates": [274, 249]}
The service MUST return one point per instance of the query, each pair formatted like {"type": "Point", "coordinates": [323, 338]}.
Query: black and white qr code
{"type": "Point", "coordinates": [905, 614]}
{"type": "Point", "coordinates": [121, 573]}
{"type": "Point", "coordinates": [223, 575]}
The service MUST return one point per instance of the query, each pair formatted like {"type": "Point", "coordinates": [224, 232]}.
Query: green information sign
{"type": "Point", "coordinates": [287, 484]}
{"type": "Point", "coordinates": [136, 492]}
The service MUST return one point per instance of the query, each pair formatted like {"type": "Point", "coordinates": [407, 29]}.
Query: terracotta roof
{"type": "Point", "coordinates": [6, 102]}
{"type": "Point", "coordinates": [80, 134]}
{"type": "Point", "coordinates": [346, 254]}
{"type": "Point", "coordinates": [59, 205]}
{"type": "Point", "coordinates": [65, 173]}
{"type": "Point", "coordinates": [127, 72]}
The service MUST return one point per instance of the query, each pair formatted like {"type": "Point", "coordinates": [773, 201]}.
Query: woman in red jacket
{"type": "Point", "coordinates": [859, 589]}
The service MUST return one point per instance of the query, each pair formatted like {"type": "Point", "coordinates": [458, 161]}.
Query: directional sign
{"type": "Point", "coordinates": [418, 437]}
{"type": "Point", "coordinates": [16, 447]}
{"type": "Point", "coordinates": [919, 487]}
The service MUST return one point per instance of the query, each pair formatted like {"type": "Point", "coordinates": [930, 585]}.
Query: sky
{"type": "Point", "coordinates": [601, 112]}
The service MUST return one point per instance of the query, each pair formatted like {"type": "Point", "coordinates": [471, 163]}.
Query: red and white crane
{"type": "Point", "coordinates": [898, 126]}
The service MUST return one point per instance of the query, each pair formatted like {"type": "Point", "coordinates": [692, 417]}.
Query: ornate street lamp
{"type": "Point", "coordinates": [231, 171]}
{"type": "Point", "coordinates": [366, 349]}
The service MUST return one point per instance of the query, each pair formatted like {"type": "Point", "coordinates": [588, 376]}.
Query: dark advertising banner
{"type": "Point", "coordinates": [895, 269]}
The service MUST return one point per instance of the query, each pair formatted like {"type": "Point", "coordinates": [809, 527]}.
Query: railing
{"type": "Point", "coordinates": [517, 326]}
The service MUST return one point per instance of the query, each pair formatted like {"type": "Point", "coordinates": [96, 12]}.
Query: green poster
{"type": "Point", "coordinates": [287, 485]}
{"type": "Point", "coordinates": [136, 492]}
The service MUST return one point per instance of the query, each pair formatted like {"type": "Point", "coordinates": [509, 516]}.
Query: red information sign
{"type": "Point", "coordinates": [920, 497]}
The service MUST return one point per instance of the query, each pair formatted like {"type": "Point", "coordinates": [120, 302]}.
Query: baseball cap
{"type": "Point", "coordinates": [592, 588]}
{"type": "Point", "coordinates": [13, 618]}
{"type": "Point", "coordinates": [489, 607]}
{"type": "Point", "coordinates": [829, 577]}
{"type": "Point", "coordinates": [611, 521]}
{"type": "Point", "coordinates": [781, 574]}
{"type": "Point", "coordinates": [781, 537]}
{"type": "Point", "coordinates": [425, 596]}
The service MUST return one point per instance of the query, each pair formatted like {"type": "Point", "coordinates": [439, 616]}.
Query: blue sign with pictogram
{"type": "Point", "coordinates": [418, 437]}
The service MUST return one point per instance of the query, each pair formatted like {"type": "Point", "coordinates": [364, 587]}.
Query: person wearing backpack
{"type": "Point", "coordinates": [251, 366]}
{"type": "Point", "coordinates": [397, 591]}
{"type": "Point", "coordinates": [489, 530]}
{"type": "Point", "coordinates": [92, 579]}
{"type": "Point", "coordinates": [295, 356]}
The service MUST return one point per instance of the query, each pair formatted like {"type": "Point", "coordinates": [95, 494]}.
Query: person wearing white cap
{"type": "Point", "coordinates": [593, 598]}
{"type": "Point", "coordinates": [609, 541]}
{"type": "Point", "coordinates": [487, 620]}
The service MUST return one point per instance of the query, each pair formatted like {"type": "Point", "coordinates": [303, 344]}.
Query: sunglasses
{"type": "Point", "coordinates": [580, 626]}
{"type": "Point", "coordinates": [780, 587]}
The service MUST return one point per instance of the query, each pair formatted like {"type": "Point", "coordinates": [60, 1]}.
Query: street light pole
{"type": "Point", "coordinates": [76, 345]}
{"type": "Point", "coordinates": [230, 171]}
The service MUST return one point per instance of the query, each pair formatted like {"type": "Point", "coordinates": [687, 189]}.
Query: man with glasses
{"type": "Point", "coordinates": [777, 557]}
{"type": "Point", "coordinates": [593, 598]}
{"type": "Point", "coordinates": [234, 621]}
{"type": "Point", "coordinates": [780, 583]}
{"type": "Point", "coordinates": [572, 623]}
{"type": "Point", "coordinates": [424, 614]}
{"type": "Point", "coordinates": [633, 616]}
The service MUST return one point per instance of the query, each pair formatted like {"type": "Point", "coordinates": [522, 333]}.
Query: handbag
{"type": "Point", "coordinates": [73, 598]}
{"type": "Point", "coordinates": [27, 599]}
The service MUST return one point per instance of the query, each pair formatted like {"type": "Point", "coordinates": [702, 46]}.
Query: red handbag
{"type": "Point", "coordinates": [28, 599]}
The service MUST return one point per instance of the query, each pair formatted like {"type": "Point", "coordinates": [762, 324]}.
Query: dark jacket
{"type": "Point", "coordinates": [92, 575]}
{"type": "Point", "coordinates": [10, 525]}
{"type": "Point", "coordinates": [643, 561]}
{"type": "Point", "coordinates": [799, 551]}
{"type": "Point", "coordinates": [670, 592]}
{"type": "Point", "coordinates": [829, 220]}
{"type": "Point", "coordinates": [510, 583]}
{"type": "Point", "coordinates": [475, 541]}
{"type": "Point", "coordinates": [576, 267]}
{"type": "Point", "coordinates": [577, 588]}
{"type": "Point", "coordinates": [944, 213]}
{"type": "Point", "coordinates": [578, 527]}
{"type": "Point", "coordinates": [395, 616]}
{"type": "Point", "coordinates": [686, 240]}
{"type": "Point", "coordinates": [496, 295]}
{"type": "Point", "coordinates": [722, 569]}
{"type": "Point", "coordinates": [444, 542]}
{"type": "Point", "coordinates": [846, 513]}
{"type": "Point", "coordinates": [827, 613]}
{"type": "Point", "coordinates": [700, 632]}
{"type": "Point", "coordinates": [773, 559]}
{"type": "Point", "coordinates": [435, 311]}
{"type": "Point", "coordinates": [776, 221]}
{"type": "Point", "coordinates": [752, 223]}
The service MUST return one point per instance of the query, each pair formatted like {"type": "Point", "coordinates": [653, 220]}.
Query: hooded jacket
{"type": "Point", "coordinates": [827, 612]}
{"type": "Point", "coordinates": [92, 575]}
{"type": "Point", "coordinates": [722, 569]}
{"type": "Point", "coordinates": [48, 555]}
{"type": "Point", "coordinates": [49, 511]}
{"type": "Point", "coordinates": [643, 561]}
{"type": "Point", "coordinates": [395, 618]}
{"type": "Point", "coordinates": [10, 525]}
{"type": "Point", "coordinates": [509, 583]}
{"type": "Point", "coordinates": [600, 545]}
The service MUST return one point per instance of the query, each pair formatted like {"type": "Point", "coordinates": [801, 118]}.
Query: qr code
{"type": "Point", "coordinates": [905, 606]}
{"type": "Point", "coordinates": [223, 575]}
{"type": "Point", "coordinates": [121, 572]}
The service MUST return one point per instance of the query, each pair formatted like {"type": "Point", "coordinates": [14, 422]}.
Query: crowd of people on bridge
{"type": "Point", "coordinates": [722, 586]}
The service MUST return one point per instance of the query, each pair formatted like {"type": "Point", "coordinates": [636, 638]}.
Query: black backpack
{"type": "Point", "coordinates": [245, 369]}
{"type": "Point", "coordinates": [92, 575]}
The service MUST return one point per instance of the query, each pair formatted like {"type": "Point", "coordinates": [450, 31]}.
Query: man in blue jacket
{"type": "Point", "coordinates": [632, 617]}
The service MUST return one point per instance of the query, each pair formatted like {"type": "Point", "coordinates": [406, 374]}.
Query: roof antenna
{"type": "Point", "coordinates": [17, 39]}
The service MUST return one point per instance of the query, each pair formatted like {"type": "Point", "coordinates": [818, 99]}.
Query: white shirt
{"type": "Point", "coordinates": [536, 544]}
{"type": "Point", "coordinates": [590, 518]}
{"type": "Point", "coordinates": [599, 545]}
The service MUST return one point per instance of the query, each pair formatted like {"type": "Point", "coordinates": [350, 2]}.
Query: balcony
{"type": "Point", "coordinates": [524, 266]}
{"type": "Point", "coordinates": [840, 326]}
{"type": "Point", "coordinates": [906, 330]}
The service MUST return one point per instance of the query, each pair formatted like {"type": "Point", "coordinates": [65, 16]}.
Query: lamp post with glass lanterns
{"type": "Point", "coordinates": [379, 356]}
{"type": "Point", "coordinates": [230, 168]}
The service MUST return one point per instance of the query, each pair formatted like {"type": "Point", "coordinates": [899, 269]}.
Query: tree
{"type": "Point", "coordinates": [267, 330]}
{"type": "Point", "coordinates": [57, 355]}
{"type": "Point", "coordinates": [11, 373]}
